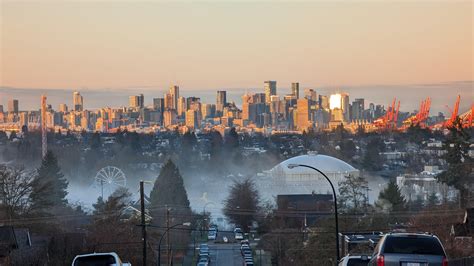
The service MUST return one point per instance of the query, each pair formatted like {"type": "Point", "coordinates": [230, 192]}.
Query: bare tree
{"type": "Point", "coordinates": [242, 206]}
{"type": "Point", "coordinates": [15, 188]}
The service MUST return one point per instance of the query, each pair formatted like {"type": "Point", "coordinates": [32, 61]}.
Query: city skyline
{"type": "Point", "coordinates": [443, 94]}
{"type": "Point", "coordinates": [322, 43]}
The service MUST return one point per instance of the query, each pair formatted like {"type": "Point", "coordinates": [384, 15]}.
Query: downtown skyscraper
{"type": "Point", "coordinates": [270, 89]}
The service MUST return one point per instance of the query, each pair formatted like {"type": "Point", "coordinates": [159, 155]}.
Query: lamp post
{"type": "Point", "coordinates": [164, 233]}
{"type": "Point", "coordinates": [291, 166]}
{"type": "Point", "coordinates": [204, 225]}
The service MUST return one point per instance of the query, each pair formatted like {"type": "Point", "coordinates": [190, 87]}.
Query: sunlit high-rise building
{"type": "Point", "coordinates": [295, 89]}
{"type": "Point", "coordinates": [63, 108]}
{"type": "Point", "coordinates": [303, 114]}
{"type": "Point", "coordinates": [192, 119]}
{"type": "Point", "coordinates": [174, 92]}
{"type": "Point", "coordinates": [182, 107]}
{"type": "Point", "coordinates": [345, 104]}
{"type": "Point", "coordinates": [311, 95]}
{"type": "Point", "coordinates": [324, 102]}
{"type": "Point", "coordinates": [221, 101]}
{"type": "Point", "coordinates": [169, 117]}
{"type": "Point", "coordinates": [357, 109]}
{"type": "Point", "coordinates": [335, 101]}
{"type": "Point", "coordinates": [13, 106]}
{"type": "Point", "coordinates": [77, 101]}
{"type": "Point", "coordinates": [340, 101]}
{"type": "Point", "coordinates": [270, 89]}
{"type": "Point", "coordinates": [159, 104]}
{"type": "Point", "coordinates": [208, 110]}
{"type": "Point", "coordinates": [141, 101]}
{"type": "Point", "coordinates": [134, 101]}
{"type": "Point", "coordinates": [168, 102]}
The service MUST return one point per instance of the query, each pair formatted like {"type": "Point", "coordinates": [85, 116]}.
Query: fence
{"type": "Point", "coordinates": [462, 262]}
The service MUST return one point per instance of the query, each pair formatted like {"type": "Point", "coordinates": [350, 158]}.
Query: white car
{"type": "Point", "coordinates": [239, 236]}
{"type": "Point", "coordinates": [354, 260]}
{"type": "Point", "coordinates": [110, 258]}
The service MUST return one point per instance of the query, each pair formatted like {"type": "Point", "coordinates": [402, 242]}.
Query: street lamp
{"type": "Point", "coordinates": [291, 166]}
{"type": "Point", "coordinates": [204, 225]}
{"type": "Point", "coordinates": [164, 233]}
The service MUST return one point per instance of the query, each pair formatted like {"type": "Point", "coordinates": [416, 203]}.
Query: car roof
{"type": "Point", "coordinates": [411, 234]}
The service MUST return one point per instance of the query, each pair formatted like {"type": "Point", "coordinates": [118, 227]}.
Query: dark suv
{"type": "Point", "coordinates": [406, 249]}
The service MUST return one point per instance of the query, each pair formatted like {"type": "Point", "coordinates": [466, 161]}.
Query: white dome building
{"type": "Point", "coordinates": [302, 180]}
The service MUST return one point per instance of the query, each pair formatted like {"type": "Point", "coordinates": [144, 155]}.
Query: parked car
{"type": "Point", "coordinates": [203, 261]}
{"type": "Point", "coordinates": [213, 227]}
{"type": "Point", "coordinates": [354, 260]}
{"type": "Point", "coordinates": [407, 249]}
{"type": "Point", "coordinates": [212, 235]}
{"type": "Point", "coordinates": [205, 257]}
{"type": "Point", "coordinates": [94, 259]}
{"type": "Point", "coordinates": [239, 236]}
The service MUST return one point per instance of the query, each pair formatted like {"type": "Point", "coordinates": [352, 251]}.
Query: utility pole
{"type": "Point", "coordinates": [168, 235]}
{"type": "Point", "coordinates": [44, 129]}
{"type": "Point", "coordinates": [142, 205]}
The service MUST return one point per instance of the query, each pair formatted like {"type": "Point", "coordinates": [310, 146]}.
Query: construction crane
{"type": "Point", "coordinates": [454, 113]}
{"type": "Point", "coordinates": [420, 117]}
{"type": "Point", "coordinates": [390, 119]}
{"type": "Point", "coordinates": [467, 118]}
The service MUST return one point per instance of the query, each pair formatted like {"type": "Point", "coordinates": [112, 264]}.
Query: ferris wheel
{"type": "Point", "coordinates": [109, 179]}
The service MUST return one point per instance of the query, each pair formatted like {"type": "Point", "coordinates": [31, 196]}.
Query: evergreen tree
{"type": "Point", "coordinates": [169, 190]}
{"type": "Point", "coordinates": [231, 145]}
{"type": "Point", "coordinates": [372, 158]}
{"type": "Point", "coordinates": [459, 172]}
{"type": "Point", "coordinates": [3, 137]}
{"type": "Point", "coordinates": [49, 188]}
{"type": "Point", "coordinates": [188, 146]}
{"type": "Point", "coordinates": [95, 141]}
{"type": "Point", "coordinates": [232, 140]}
{"type": "Point", "coordinates": [391, 198]}
{"type": "Point", "coordinates": [216, 153]}
{"type": "Point", "coordinates": [432, 200]}
{"type": "Point", "coordinates": [347, 149]}
{"type": "Point", "coordinates": [13, 135]}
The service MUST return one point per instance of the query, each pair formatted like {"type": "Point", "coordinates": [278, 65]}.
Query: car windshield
{"type": "Point", "coordinates": [413, 245]}
{"type": "Point", "coordinates": [96, 260]}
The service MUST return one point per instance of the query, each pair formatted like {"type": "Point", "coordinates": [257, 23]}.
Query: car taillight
{"type": "Point", "coordinates": [380, 260]}
{"type": "Point", "coordinates": [445, 261]}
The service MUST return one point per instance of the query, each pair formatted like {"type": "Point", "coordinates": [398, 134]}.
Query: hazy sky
{"type": "Point", "coordinates": [234, 45]}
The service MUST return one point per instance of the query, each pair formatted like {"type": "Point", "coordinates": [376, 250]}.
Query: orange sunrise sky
{"type": "Point", "coordinates": [64, 44]}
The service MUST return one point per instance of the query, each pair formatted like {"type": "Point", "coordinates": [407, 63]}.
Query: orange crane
{"type": "Point", "coordinates": [467, 118]}
{"type": "Point", "coordinates": [420, 117]}
{"type": "Point", "coordinates": [454, 113]}
{"type": "Point", "coordinates": [389, 120]}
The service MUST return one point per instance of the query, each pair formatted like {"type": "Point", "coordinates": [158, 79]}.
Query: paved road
{"type": "Point", "coordinates": [222, 254]}
{"type": "Point", "coordinates": [225, 254]}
